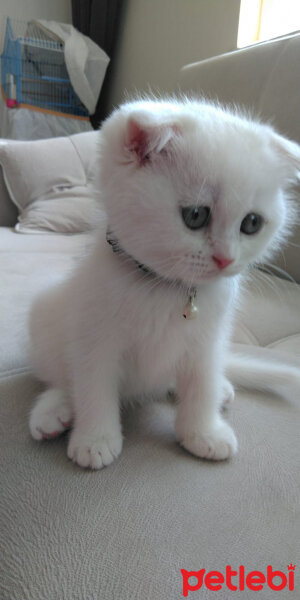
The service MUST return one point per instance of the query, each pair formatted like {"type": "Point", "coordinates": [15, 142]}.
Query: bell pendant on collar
{"type": "Point", "coordinates": [190, 310]}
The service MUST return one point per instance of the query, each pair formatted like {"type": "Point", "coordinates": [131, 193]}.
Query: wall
{"type": "Point", "coordinates": [160, 36]}
{"type": "Point", "coordinates": [56, 10]}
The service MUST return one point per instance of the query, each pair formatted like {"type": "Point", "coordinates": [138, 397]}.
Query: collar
{"type": "Point", "coordinates": [117, 248]}
{"type": "Point", "coordinates": [190, 310]}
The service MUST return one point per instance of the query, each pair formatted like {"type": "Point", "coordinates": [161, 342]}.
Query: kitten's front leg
{"type": "Point", "coordinates": [96, 439]}
{"type": "Point", "coordinates": [200, 427]}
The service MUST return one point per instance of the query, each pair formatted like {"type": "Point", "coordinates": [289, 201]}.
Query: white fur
{"type": "Point", "coordinates": [113, 332]}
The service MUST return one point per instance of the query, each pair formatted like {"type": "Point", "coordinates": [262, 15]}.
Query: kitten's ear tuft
{"type": "Point", "coordinates": [142, 139]}
{"type": "Point", "coordinates": [137, 138]}
{"type": "Point", "coordinates": [289, 152]}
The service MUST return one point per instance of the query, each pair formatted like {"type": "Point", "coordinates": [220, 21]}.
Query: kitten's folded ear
{"type": "Point", "coordinates": [144, 136]}
{"type": "Point", "coordinates": [289, 153]}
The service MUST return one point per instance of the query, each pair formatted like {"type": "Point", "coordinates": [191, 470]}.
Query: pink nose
{"type": "Point", "coordinates": [222, 262]}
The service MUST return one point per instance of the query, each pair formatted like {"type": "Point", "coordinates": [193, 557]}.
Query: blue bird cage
{"type": "Point", "coordinates": [33, 70]}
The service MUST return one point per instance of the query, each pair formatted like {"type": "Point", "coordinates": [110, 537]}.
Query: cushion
{"type": "Point", "coordinates": [268, 314]}
{"type": "Point", "coordinates": [30, 264]}
{"type": "Point", "coordinates": [126, 532]}
{"type": "Point", "coordinates": [48, 197]}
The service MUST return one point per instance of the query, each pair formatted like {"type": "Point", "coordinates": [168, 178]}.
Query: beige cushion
{"type": "Point", "coordinates": [124, 533]}
{"type": "Point", "coordinates": [269, 314]}
{"type": "Point", "coordinates": [49, 197]}
{"type": "Point", "coordinates": [28, 265]}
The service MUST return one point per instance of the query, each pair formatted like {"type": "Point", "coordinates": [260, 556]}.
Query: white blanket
{"type": "Point", "coordinates": [86, 62]}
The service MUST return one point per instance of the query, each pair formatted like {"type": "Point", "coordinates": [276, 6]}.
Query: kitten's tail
{"type": "Point", "coordinates": [265, 370]}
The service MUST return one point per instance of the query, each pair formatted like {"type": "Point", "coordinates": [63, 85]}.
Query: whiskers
{"type": "Point", "coordinates": [262, 279]}
{"type": "Point", "coordinates": [270, 268]}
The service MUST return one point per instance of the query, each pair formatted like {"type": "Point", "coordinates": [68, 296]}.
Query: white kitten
{"type": "Point", "coordinates": [193, 195]}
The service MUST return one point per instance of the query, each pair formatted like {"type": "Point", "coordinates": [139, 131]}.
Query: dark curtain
{"type": "Point", "coordinates": [100, 20]}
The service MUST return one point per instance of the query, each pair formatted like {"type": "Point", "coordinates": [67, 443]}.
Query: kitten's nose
{"type": "Point", "coordinates": [222, 262]}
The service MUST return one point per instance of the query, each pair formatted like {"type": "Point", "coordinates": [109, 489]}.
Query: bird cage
{"type": "Point", "coordinates": [33, 70]}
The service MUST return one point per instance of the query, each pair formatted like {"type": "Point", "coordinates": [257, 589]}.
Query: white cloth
{"type": "Point", "coordinates": [86, 62]}
{"type": "Point", "coordinates": [51, 183]}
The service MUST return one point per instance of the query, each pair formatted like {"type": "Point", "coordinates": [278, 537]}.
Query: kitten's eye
{"type": "Point", "coordinates": [252, 223]}
{"type": "Point", "coordinates": [195, 217]}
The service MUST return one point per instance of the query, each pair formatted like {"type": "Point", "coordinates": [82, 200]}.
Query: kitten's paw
{"type": "Point", "coordinates": [51, 415]}
{"type": "Point", "coordinates": [227, 393]}
{"type": "Point", "coordinates": [218, 443]}
{"type": "Point", "coordinates": [96, 450]}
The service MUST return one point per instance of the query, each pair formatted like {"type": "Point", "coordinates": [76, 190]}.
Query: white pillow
{"type": "Point", "coordinates": [50, 182]}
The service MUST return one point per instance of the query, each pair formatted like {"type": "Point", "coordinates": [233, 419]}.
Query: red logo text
{"type": "Point", "coordinates": [238, 579]}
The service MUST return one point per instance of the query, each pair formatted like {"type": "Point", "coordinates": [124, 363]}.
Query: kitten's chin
{"type": "Point", "coordinates": [192, 280]}
{"type": "Point", "coordinates": [199, 279]}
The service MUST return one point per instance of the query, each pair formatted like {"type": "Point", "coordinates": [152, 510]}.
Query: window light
{"type": "Point", "coordinates": [265, 19]}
